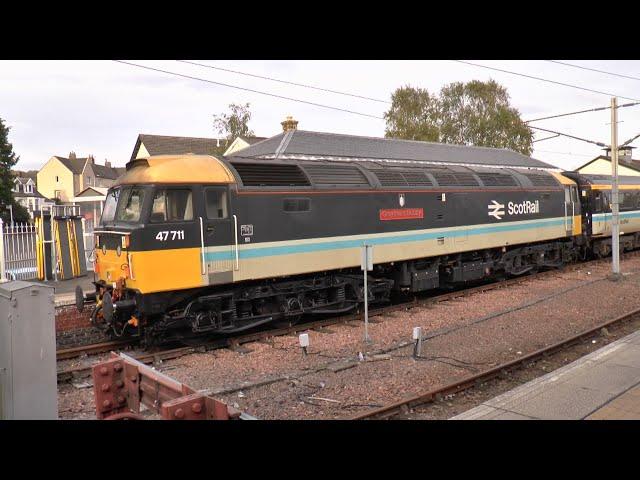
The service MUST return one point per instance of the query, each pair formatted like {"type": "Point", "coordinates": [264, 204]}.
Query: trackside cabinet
{"type": "Point", "coordinates": [28, 384]}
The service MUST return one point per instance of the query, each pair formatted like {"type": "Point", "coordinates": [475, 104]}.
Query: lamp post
{"type": "Point", "coordinates": [615, 203]}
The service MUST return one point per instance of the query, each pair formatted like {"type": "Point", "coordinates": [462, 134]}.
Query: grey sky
{"type": "Point", "coordinates": [99, 107]}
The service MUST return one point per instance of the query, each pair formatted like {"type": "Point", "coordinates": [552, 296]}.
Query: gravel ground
{"type": "Point", "coordinates": [466, 335]}
{"type": "Point", "coordinates": [455, 404]}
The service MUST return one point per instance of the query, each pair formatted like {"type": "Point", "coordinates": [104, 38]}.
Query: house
{"type": "Point", "coordinates": [63, 178]}
{"type": "Point", "coordinates": [148, 145]}
{"type": "Point", "coordinates": [25, 192]}
{"type": "Point", "coordinates": [306, 145]}
{"type": "Point", "coordinates": [242, 142]}
{"type": "Point", "coordinates": [601, 165]}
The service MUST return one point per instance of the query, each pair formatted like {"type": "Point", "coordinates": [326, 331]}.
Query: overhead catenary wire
{"type": "Point", "coordinates": [565, 153]}
{"type": "Point", "coordinates": [569, 85]}
{"type": "Point", "coordinates": [546, 138]}
{"type": "Point", "coordinates": [600, 144]}
{"type": "Point", "coordinates": [582, 111]}
{"type": "Point", "coordinates": [629, 77]}
{"type": "Point", "coordinates": [249, 90]}
{"type": "Point", "coordinates": [285, 81]}
{"type": "Point", "coordinates": [630, 141]}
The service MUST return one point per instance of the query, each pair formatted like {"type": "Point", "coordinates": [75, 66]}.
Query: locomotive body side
{"type": "Point", "coordinates": [220, 245]}
{"type": "Point", "coordinates": [401, 224]}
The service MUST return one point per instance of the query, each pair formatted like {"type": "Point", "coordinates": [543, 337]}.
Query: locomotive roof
{"type": "Point", "coordinates": [304, 144]}
{"type": "Point", "coordinates": [592, 179]}
{"type": "Point", "coordinates": [186, 168]}
{"type": "Point", "coordinates": [351, 173]}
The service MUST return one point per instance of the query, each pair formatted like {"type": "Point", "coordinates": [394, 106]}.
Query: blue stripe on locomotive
{"type": "Point", "coordinates": [341, 244]}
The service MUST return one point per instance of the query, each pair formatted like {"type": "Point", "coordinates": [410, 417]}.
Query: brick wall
{"type": "Point", "coordinates": [68, 318]}
{"type": "Point", "coordinates": [73, 328]}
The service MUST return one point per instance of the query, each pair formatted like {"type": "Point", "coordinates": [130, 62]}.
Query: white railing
{"type": "Point", "coordinates": [17, 251]}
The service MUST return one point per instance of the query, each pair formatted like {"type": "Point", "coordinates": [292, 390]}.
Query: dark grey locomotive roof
{"type": "Point", "coordinates": [304, 144]}
{"type": "Point", "coordinates": [592, 179]}
{"type": "Point", "coordinates": [294, 173]}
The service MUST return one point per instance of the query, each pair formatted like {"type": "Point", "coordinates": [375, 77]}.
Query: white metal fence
{"type": "Point", "coordinates": [18, 245]}
{"type": "Point", "coordinates": [17, 251]}
{"type": "Point", "coordinates": [89, 245]}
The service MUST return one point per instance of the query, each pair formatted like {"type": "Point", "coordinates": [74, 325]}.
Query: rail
{"type": "Point", "coordinates": [473, 380]}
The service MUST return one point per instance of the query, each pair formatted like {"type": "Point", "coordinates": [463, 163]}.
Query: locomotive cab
{"type": "Point", "coordinates": [156, 226]}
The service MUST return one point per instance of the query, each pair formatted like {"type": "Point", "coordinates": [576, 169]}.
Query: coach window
{"type": "Point", "coordinates": [172, 205]}
{"type": "Point", "coordinates": [216, 203]}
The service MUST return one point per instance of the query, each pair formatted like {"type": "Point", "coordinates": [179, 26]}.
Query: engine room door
{"type": "Point", "coordinates": [218, 232]}
{"type": "Point", "coordinates": [569, 210]}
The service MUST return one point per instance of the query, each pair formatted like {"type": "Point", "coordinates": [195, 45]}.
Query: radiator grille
{"type": "Point", "coordinates": [264, 174]}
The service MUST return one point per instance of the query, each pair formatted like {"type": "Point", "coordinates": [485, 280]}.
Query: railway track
{"type": "Point", "coordinates": [236, 341]}
{"type": "Point", "coordinates": [472, 381]}
{"type": "Point", "coordinates": [92, 349]}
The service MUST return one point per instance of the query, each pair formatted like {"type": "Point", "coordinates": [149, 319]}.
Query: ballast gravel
{"type": "Point", "coordinates": [342, 375]}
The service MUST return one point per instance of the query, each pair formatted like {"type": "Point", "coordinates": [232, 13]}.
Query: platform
{"type": "Point", "coordinates": [64, 290]}
{"type": "Point", "coordinates": [602, 385]}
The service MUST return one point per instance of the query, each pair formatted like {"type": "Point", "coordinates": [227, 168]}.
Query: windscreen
{"type": "Point", "coordinates": [110, 204]}
{"type": "Point", "coordinates": [130, 205]}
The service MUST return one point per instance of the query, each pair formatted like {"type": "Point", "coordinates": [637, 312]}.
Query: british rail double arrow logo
{"type": "Point", "coordinates": [496, 209]}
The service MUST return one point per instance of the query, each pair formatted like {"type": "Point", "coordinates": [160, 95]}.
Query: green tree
{"type": "Point", "coordinates": [234, 124]}
{"type": "Point", "coordinates": [474, 113]}
{"type": "Point", "coordinates": [413, 115]}
{"type": "Point", "coordinates": [8, 159]}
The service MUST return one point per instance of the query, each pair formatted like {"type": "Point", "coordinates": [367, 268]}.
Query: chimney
{"type": "Point", "coordinates": [289, 124]}
{"type": "Point", "coordinates": [72, 155]}
{"type": "Point", "coordinates": [107, 163]}
{"type": "Point", "coordinates": [91, 159]}
{"type": "Point", "coordinates": [625, 153]}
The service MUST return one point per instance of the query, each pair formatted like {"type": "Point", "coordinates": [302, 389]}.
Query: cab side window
{"type": "Point", "coordinates": [172, 205]}
{"type": "Point", "coordinates": [216, 203]}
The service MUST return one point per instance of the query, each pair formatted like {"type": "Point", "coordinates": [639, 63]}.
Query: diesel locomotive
{"type": "Point", "coordinates": [194, 244]}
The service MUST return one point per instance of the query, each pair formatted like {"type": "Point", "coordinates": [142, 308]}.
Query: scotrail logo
{"type": "Point", "coordinates": [496, 209]}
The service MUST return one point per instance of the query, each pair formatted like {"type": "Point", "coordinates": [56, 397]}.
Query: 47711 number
{"type": "Point", "coordinates": [164, 235]}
